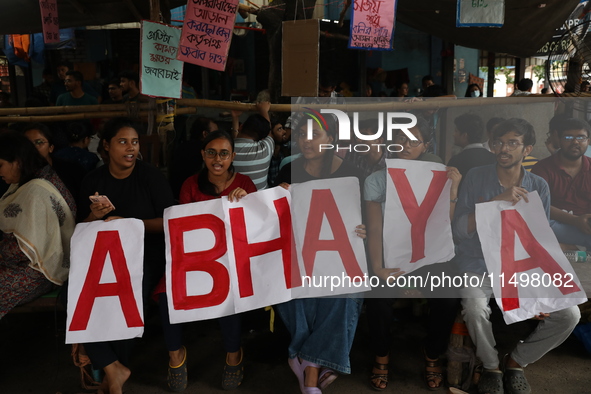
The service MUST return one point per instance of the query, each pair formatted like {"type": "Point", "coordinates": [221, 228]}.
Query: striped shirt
{"type": "Point", "coordinates": [253, 159]}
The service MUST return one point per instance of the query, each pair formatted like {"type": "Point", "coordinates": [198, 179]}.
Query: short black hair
{"type": "Point", "coordinates": [471, 125]}
{"type": "Point", "coordinates": [115, 81]}
{"type": "Point", "coordinates": [573, 124]}
{"type": "Point", "coordinates": [518, 126]}
{"type": "Point", "coordinates": [132, 76]}
{"type": "Point", "coordinates": [77, 75]}
{"type": "Point", "coordinates": [427, 78]}
{"type": "Point", "coordinates": [525, 84]}
{"type": "Point", "coordinates": [16, 147]}
{"type": "Point", "coordinates": [200, 125]}
{"type": "Point", "coordinates": [492, 122]}
{"type": "Point", "coordinates": [256, 126]}
{"type": "Point", "coordinates": [434, 91]}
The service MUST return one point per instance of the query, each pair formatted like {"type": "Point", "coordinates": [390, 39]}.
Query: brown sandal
{"type": "Point", "coordinates": [82, 361]}
{"type": "Point", "coordinates": [380, 377]}
{"type": "Point", "coordinates": [433, 376]}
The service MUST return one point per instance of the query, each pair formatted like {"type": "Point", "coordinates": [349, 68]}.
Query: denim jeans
{"type": "Point", "coordinates": [322, 329]}
{"type": "Point", "coordinates": [568, 234]}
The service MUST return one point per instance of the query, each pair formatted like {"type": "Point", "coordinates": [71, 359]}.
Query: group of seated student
{"type": "Point", "coordinates": [237, 163]}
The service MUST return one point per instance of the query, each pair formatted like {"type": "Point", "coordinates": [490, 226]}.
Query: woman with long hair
{"type": "Point", "coordinates": [217, 178]}
{"type": "Point", "coordinates": [322, 329]}
{"type": "Point", "coordinates": [37, 221]}
{"type": "Point", "coordinates": [135, 190]}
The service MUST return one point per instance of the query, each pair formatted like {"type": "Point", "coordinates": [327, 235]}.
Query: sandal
{"type": "Point", "coordinates": [433, 376]}
{"type": "Point", "coordinates": [82, 361]}
{"type": "Point", "coordinates": [515, 380]}
{"type": "Point", "coordinates": [491, 382]}
{"type": "Point", "coordinates": [233, 374]}
{"type": "Point", "coordinates": [177, 376]}
{"type": "Point", "coordinates": [299, 369]}
{"type": "Point", "coordinates": [382, 378]}
{"type": "Point", "coordinates": [326, 377]}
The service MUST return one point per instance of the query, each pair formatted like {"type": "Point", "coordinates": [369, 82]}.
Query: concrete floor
{"type": "Point", "coordinates": [36, 360]}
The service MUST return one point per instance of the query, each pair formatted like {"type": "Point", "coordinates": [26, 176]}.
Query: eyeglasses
{"type": "Point", "coordinates": [571, 138]}
{"type": "Point", "coordinates": [402, 139]}
{"type": "Point", "coordinates": [212, 153]}
{"type": "Point", "coordinates": [511, 145]}
{"type": "Point", "coordinates": [39, 142]}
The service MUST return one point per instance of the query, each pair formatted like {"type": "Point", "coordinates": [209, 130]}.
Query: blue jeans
{"type": "Point", "coordinates": [322, 329]}
{"type": "Point", "coordinates": [568, 234]}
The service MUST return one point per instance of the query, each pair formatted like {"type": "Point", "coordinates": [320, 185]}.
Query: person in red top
{"type": "Point", "coordinates": [568, 173]}
{"type": "Point", "coordinates": [216, 179]}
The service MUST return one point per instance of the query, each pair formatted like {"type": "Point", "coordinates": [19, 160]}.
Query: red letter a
{"type": "Point", "coordinates": [417, 214]}
{"type": "Point", "coordinates": [323, 204]}
{"type": "Point", "coordinates": [198, 261]}
{"type": "Point", "coordinates": [106, 242]}
{"type": "Point", "coordinates": [243, 250]}
{"type": "Point", "coordinates": [512, 223]}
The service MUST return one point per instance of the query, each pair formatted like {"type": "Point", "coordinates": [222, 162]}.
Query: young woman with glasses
{"type": "Point", "coordinates": [216, 179]}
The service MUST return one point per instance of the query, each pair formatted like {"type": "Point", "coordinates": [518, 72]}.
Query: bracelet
{"type": "Point", "coordinates": [455, 200]}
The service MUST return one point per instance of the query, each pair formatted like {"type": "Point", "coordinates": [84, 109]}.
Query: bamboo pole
{"type": "Point", "coordinates": [55, 114]}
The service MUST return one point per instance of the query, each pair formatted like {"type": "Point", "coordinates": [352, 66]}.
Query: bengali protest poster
{"type": "Point", "coordinates": [207, 33]}
{"type": "Point", "coordinates": [372, 25]}
{"type": "Point", "coordinates": [161, 74]}
{"type": "Point", "coordinates": [50, 21]}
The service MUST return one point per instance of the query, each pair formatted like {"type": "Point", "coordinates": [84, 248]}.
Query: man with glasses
{"type": "Point", "coordinates": [568, 173]}
{"type": "Point", "coordinates": [506, 180]}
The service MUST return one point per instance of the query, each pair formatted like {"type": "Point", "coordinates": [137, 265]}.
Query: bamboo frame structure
{"type": "Point", "coordinates": [144, 110]}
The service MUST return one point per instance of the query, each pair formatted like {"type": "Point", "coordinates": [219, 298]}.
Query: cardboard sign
{"type": "Point", "coordinates": [416, 214]}
{"type": "Point", "coordinates": [325, 215]}
{"type": "Point", "coordinates": [301, 40]}
{"type": "Point", "coordinates": [105, 283]}
{"type": "Point", "coordinates": [372, 25]}
{"type": "Point", "coordinates": [50, 21]}
{"type": "Point", "coordinates": [480, 13]}
{"type": "Point", "coordinates": [161, 74]}
{"type": "Point", "coordinates": [207, 32]}
{"type": "Point", "coordinates": [529, 271]}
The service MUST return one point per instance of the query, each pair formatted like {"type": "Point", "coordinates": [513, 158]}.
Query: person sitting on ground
{"type": "Point", "coordinates": [568, 173]}
{"type": "Point", "coordinates": [71, 173]}
{"type": "Point", "coordinates": [442, 311]}
{"type": "Point", "coordinates": [217, 178]}
{"type": "Point", "coordinates": [254, 145]}
{"type": "Point", "coordinates": [524, 87]}
{"type": "Point", "coordinates": [79, 137]}
{"type": "Point", "coordinates": [468, 136]}
{"type": "Point", "coordinates": [74, 94]}
{"type": "Point", "coordinates": [506, 180]}
{"type": "Point", "coordinates": [37, 223]}
{"type": "Point", "coordinates": [184, 162]}
{"type": "Point", "coordinates": [528, 162]}
{"type": "Point", "coordinates": [553, 141]}
{"type": "Point", "coordinates": [136, 190]}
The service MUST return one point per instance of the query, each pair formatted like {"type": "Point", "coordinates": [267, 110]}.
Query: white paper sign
{"type": "Point", "coordinates": [325, 215]}
{"type": "Point", "coordinates": [417, 228]}
{"type": "Point", "coordinates": [529, 271]}
{"type": "Point", "coordinates": [260, 230]}
{"type": "Point", "coordinates": [198, 287]}
{"type": "Point", "coordinates": [480, 13]}
{"type": "Point", "coordinates": [105, 282]}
